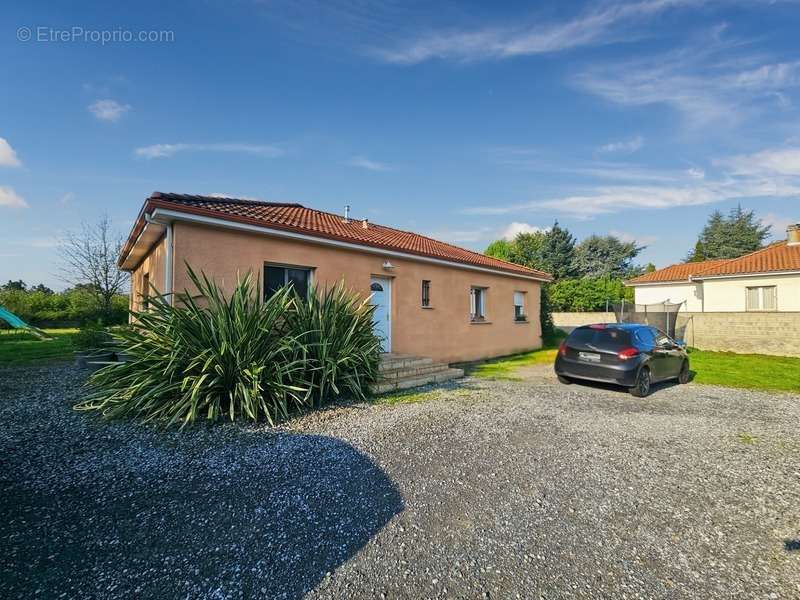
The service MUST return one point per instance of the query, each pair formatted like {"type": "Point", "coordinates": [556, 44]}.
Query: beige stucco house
{"type": "Point", "coordinates": [767, 280]}
{"type": "Point", "coordinates": [432, 299]}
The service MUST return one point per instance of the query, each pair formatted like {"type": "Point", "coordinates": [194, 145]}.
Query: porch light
{"type": "Point", "coordinates": [388, 266]}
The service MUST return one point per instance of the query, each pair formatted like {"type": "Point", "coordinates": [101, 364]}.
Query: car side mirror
{"type": "Point", "coordinates": [680, 344]}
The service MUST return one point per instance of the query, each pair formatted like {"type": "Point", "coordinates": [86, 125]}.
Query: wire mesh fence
{"type": "Point", "coordinates": [663, 315]}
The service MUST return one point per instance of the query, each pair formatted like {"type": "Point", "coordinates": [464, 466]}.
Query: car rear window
{"type": "Point", "coordinates": [602, 338]}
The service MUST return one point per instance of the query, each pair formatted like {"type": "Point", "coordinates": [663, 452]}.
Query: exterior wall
{"type": "Point", "coordinates": [443, 331]}
{"type": "Point", "coordinates": [691, 293]}
{"type": "Point", "coordinates": [567, 321]}
{"type": "Point", "coordinates": [153, 265]}
{"type": "Point", "coordinates": [773, 333]}
{"type": "Point", "coordinates": [723, 295]}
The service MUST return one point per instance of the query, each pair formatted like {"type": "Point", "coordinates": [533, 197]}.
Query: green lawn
{"type": "Point", "coordinates": [752, 371]}
{"type": "Point", "coordinates": [17, 348]}
{"type": "Point", "coordinates": [506, 368]}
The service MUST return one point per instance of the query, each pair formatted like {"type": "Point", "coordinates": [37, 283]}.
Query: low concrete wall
{"type": "Point", "coordinates": [774, 333]}
{"type": "Point", "coordinates": [568, 321]}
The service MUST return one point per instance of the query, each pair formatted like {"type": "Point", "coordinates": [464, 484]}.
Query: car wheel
{"type": "Point", "coordinates": [642, 386]}
{"type": "Point", "coordinates": [683, 376]}
{"type": "Point", "coordinates": [564, 380]}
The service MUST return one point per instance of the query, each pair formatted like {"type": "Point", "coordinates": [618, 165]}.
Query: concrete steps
{"type": "Point", "coordinates": [404, 371]}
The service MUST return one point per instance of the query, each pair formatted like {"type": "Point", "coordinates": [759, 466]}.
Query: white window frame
{"type": "Point", "coordinates": [523, 313]}
{"type": "Point", "coordinates": [760, 292]}
{"type": "Point", "coordinates": [286, 267]}
{"type": "Point", "coordinates": [477, 304]}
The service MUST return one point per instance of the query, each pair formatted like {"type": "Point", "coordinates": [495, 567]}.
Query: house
{"type": "Point", "coordinates": [764, 280]}
{"type": "Point", "coordinates": [432, 299]}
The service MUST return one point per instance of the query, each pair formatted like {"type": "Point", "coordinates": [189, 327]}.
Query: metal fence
{"type": "Point", "coordinates": [663, 315]}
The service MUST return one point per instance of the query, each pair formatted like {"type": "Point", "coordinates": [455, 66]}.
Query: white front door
{"type": "Point", "coordinates": [381, 290]}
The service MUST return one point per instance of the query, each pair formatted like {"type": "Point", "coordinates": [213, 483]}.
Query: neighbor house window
{"type": "Point", "coordinates": [426, 293]}
{"type": "Point", "coordinates": [276, 277]}
{"type": "Point", "coordinates": [762, 298]}
{"type": "Point", "coordinates": [519, 306]}
{"type": "Point", "coordinates": [477, 304]}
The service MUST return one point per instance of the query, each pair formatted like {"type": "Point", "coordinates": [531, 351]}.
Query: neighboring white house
{"type": "Point", "coordinates": [767, 280]}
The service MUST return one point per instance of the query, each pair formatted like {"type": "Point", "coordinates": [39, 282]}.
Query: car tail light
{"type": "Point", "coordinates": [628, 353]}
{"type": "Point", "coordinates": [562, 349]}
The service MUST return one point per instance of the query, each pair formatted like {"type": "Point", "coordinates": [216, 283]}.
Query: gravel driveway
{"type": "Point", "coordinates": [482, 489]}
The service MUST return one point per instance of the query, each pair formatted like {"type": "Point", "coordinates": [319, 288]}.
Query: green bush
{"type": "Point", "coordinates": [334, 328]}
{"type": "Point", "coordinates": [68, 308]}
{"type": "Point", "coordinates": [91, 336]}
{"type": "Point", "coordinates": [587, 294]}
{"type": "Point", "coordinates": [237, 357]}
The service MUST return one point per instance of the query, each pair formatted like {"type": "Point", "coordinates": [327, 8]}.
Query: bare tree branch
{"type": "Point", "coordinates": [89, 258]}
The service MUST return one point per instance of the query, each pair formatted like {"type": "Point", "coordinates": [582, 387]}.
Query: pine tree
{"type": "Point", "coordinates": [729, 237]}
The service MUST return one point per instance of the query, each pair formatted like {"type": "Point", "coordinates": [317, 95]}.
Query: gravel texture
{"type": "Point", "coordinates": [480, 489]}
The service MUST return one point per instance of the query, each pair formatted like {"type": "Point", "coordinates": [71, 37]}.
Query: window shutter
{"type": "Point", "coordinates": [472, 304]}
{"type": "Point", "coordinates": [770, 298]}
{"type": "Point", "coordinates": [752, 298]}
{"type": "Point", "coordinates": [519, 299]}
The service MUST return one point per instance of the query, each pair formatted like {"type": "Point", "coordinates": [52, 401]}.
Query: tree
{"type": "Point", "coordinates": [729, 237]}
{"type": "Point", "coordinates": [89, 260]}
{"type": "Point", "coordinates": [42, 288]}
{"type": "Point", "coordinates": [558, 252]}
{"type": "Point", "coordinates": [15, 286]}
{"type": "Point", "coordinates": [499, 249]}
{"type": "Point", "coordinates": [527, 249]}
{"type": "Point", "coordinates": [649, 267]}
{"type": "Point", "coordinates": [603, 256]}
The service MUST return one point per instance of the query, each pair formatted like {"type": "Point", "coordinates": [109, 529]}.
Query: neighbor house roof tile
{"type": "Point", "coordinates": [299, 219]}
{"type": "Point", "coordinates": [679, 272]}
{"type": "Point", "coordinates": [778, 257]}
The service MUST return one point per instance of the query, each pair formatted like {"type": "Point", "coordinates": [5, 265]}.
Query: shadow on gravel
{"type": "Point", "coordinates": [243, 516]}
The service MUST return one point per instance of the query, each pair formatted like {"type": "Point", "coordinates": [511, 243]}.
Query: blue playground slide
{"type": "Point", "coordinates": [18, 323]}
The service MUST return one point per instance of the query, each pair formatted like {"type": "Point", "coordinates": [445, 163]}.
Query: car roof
{"type": "Point", "coordinates": [627, 326]}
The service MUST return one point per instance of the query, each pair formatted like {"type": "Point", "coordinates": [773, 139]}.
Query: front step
{"type": "Point", "coordinates": [404, 371]}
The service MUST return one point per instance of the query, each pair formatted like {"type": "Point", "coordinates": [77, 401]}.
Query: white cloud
{"type": "Point", "coordinates": [626, 146]}
{"type": "Point", "coordinates": [8, 157]}
{"type": "Point", "coordinates": [639, 240]}
{"type": "Point", "coordinates": [593, 27]}
{"type": "Point", "coordinates": [108, 110]}
{"type": "Point", "coordinates": [769, 162]}
{"type": "Point", "coordinates": [363, 162]}
{"type": "Point", "coordinates": [169, 150]}
{"type": "Point", "coordinates": [778, 224]}
{"type": "Point", "coordinates": [9, 198]}
{"type": "Point", "coordinates": [515, 228]}
{"type": "Point", "coordinates": [67, 198]}
{"type": "Point", "coordinates": [771, 173]}
{"type": "Point", "coordinates": [710, 82]}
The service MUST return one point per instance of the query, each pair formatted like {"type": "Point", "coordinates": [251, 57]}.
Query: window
{"type": "Point", "coordinates": [762, 298]}
{"type": "Point", "coordinates": [477, 304]}
{"type": "Point", "coordinates": [519, 306]}
{"type": "Point", "coordinates": [145, 292]}
{"type": "Point", "coordinates": [277, 277]}
{"type": "Point", "coordinates": [646, 336]}
{"type": "Point", "coordinates": [426, 293]}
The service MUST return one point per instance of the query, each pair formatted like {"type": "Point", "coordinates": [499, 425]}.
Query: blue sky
{"type": "Point", "coordinates": [464, 121]}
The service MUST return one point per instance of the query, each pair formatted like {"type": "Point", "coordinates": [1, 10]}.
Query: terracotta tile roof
{"type": "Point", "coordinates": [779, 256]}
{"type": "Point", "coordinates": [776, 257]}
{"type": "Point", "coordinates": [299, 219]}
{"type": "Point", "coordinates": [679, 272]}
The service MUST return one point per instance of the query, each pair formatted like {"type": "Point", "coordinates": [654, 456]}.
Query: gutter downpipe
{"type": "Point", "coordinates": [168, 258]}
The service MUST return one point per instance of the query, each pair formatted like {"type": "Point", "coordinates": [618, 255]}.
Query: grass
{"type": "Point", "coordinates": [750, 371]}
{"type": "Point", "coordinates": [414, 396]}
{"type": "Point", "coordinates": [19, 348]}
{"type": "Point", "coordinates": [506, 368]}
